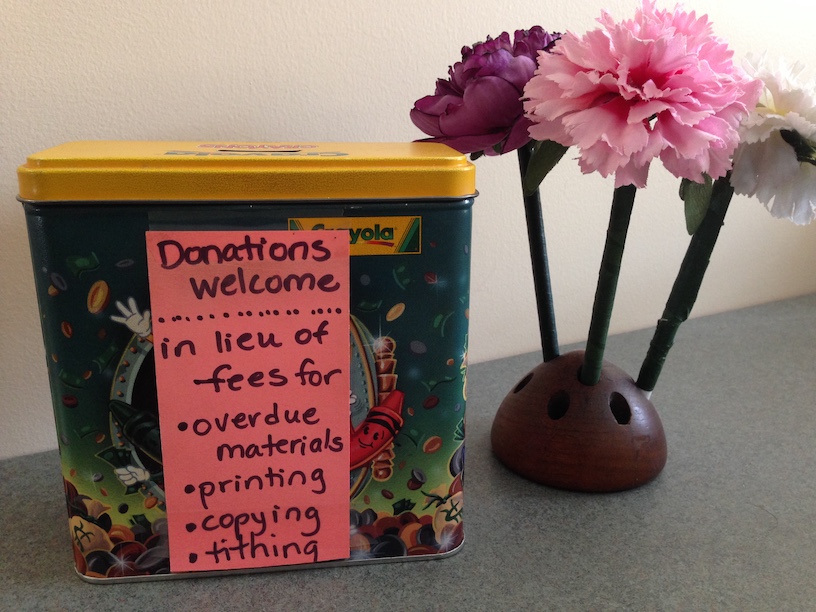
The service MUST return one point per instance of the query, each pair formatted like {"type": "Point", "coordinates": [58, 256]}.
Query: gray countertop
{"type": "Point", "coordinates": [729, 524]}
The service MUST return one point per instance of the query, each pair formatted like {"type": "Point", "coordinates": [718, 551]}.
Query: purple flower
{"type": "Point", "coordinates": [479, 108]}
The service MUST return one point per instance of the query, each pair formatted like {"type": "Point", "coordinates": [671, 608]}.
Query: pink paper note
{"type": "Point", "coordinates": [250, 333]}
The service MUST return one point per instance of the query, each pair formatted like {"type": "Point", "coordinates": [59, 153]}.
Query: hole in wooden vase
{"type": "Point", "coordinates": [523, 383]}
{"type": "Point", "coordinates": [620, 408]}
{"type": "Point", "coordinates": [558, 405]}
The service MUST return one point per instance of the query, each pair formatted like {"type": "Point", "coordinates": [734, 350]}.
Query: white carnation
{"type": "Point", "coordinates": [765, 165]}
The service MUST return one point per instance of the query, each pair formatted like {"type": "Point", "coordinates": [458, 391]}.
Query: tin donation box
{"type": "Point", "coordinates": [257, 352]}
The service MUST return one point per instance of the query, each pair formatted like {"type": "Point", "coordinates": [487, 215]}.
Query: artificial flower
{"type": "Point", "coordinates": [775, 162]}
{"type": "Point", "coordinates": [478, 108]}
{"type": "Point", "coordinates": [771, 161]}
{"type": "Point", "coordinates": [659, 85]}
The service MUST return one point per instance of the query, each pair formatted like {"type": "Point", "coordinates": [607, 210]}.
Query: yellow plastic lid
{"type": "Point", "coordinates": [240, 171]}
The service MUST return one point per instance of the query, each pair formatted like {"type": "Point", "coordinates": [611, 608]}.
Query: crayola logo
{"type": "Point", "coordinates": [384, 236]}
{"type": "Point", "coordinates": [371, 235]}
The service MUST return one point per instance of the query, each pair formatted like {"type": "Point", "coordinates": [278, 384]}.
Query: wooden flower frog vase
{"type": "Point", "coordinates": [555, 430]}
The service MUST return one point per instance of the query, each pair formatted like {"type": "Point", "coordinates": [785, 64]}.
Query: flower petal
{"type": "Point", "coordinates": [518, 137]}
{"type": "Point", "coordinates": [489, 103]}
{"type": "Point", "coordinates": [608, 123]}
{"type": "Point", "coordinates": [425, 122]}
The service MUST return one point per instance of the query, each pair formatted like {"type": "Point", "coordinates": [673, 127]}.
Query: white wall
{"type": "Point", "coordinates": [335, 71]}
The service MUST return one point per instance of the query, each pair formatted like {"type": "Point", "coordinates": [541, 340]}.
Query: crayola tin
{"type": "Point", "coordinates": [248, 343]}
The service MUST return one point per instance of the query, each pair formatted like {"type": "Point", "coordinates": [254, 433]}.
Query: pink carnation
{"type": "Point", "coordinates": [659, 85]}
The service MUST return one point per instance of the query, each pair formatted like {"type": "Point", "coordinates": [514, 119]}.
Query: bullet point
{"type": "Point", "coordinates": [193, 557]}
{"type": "Point", "coordinates": [189, 489]}
{"type": "Point", "coordinates": [182, 426]}
{"type": "Point", "coordinates": [191, 527]}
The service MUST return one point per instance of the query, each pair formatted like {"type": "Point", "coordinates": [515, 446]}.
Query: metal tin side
{"type": "Point", "coordinates": [408, 330]}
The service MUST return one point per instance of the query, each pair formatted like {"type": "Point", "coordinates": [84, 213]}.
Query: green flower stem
{"type": "Point", "coordinates": [687, 284]}
{"type": "Point", "coordinates": [538, 258]}
{"type": "Point", "coordinates": [804, 148]}
{"type": "Point", "coordinates": [622, 203]}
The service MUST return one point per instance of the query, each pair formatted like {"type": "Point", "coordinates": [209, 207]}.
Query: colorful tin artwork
{"type": "Point", "coordinates": [98, 212]}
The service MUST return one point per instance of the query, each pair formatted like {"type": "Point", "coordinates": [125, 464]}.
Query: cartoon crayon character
{"type": "Point", "coordinates": [137, 425]}
{"type": "Point", "coordinates": [377, 432]}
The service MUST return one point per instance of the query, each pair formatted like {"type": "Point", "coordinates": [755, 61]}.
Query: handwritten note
{"type": "Point", "coordinates": [250, 332]}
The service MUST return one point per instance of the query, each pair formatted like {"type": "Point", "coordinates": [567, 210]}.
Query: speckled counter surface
{"type": "Point", "coordinates": [730, 524]}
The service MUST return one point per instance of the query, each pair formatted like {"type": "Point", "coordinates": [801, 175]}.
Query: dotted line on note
{"type": "Point", "coordinates": [249, 314]}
